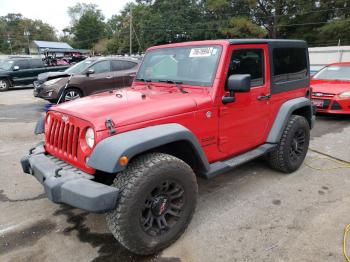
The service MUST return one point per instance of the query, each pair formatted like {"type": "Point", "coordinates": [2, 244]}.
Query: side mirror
{"type": "Point", "coordinates": [236, 83]}
{"type": "Point", "coordinates": [239, 83]}
{"type": "Point", "coordinates": [90, 71]}
{"type": "Point", "coordinates": [15, 68]}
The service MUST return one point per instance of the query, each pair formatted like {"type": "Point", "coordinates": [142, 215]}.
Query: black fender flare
{"type": "Point", "coordinates": [40, 126]}
{"type": "Point", "coordinates": [283, 115]}
{"type": "Point", "coordinates": [106, 154]}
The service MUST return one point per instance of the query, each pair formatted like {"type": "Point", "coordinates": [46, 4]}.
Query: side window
{"type": "Point", "coordinates": [289, 64]}
{"type": "Point", "coordinates": [101, 67]}
{"type": "Point", "coordinates": [248, 61]}
{"type": "Point", "coordinates": [23, 64]}
{"type": "Point", "coordinates": [36, 63]}
{"type": "Point", "coordinates": [118, 65]}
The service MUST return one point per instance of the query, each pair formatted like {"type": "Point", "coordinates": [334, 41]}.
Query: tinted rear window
{"type": "Point", "coordinates": [23, 64]}
{"type": "Point", "coordinates": [36, 63]}
{"type": "Point", "coordinates": [118, 65]}
{"type": "Point", "coordinates": [289, 64]}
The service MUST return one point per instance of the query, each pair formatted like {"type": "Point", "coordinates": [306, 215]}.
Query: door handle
{"type": "Point", "coordinates": [265, 97]}
{"type": "Point", "coordinates": [108, 77]}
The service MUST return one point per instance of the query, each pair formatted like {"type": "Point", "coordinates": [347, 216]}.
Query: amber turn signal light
{"type": "Point", "coordinates": [123, 160]}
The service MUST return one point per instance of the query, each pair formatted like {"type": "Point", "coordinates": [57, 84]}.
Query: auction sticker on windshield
{"type": "Point", "coordinates": [201, 51]}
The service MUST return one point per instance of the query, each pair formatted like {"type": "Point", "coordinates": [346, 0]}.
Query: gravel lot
{"type": "Point", "coordinates": [249, 214]}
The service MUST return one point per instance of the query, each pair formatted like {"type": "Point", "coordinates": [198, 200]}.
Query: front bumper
{"type": "Point", "coordinates": [66, 184]}
{"type": "Point", "coordinates": [44, 92]}
{"type": "Point", "coordinates": [333, 105]}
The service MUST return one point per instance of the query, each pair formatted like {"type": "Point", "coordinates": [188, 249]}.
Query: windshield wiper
{"type": "Point", "coordinates": [145, 81]}
{"type": "Point", "coordinates": [177, 84]}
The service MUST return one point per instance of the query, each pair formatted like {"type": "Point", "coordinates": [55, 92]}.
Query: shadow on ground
{"type": "Point", "coordinates": [329, 123]}
{"type": "Point", "coordinates": [108, 248]}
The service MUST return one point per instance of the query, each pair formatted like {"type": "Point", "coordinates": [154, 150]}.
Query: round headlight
{"type": "Point", "coordinates": [345, 95]}
{"type": "Point", "coordinates": [90, 137]}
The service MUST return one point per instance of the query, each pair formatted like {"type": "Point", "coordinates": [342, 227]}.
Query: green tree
{"type": "Point", "coordinates": [243, 27]}
{"type": "Point", "coordinates": [89, 29]}
{"type": "Point", "coordinates": [18, 30]}
{"type": "Point", "coordinates": [87, 25]}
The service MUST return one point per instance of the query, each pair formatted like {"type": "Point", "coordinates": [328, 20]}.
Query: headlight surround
{"type": "Point", "coordinates": [90, 137]}
{"type": "Point", "coordinates": [345, 94]}
{"type": "Point", "coordinates": [52, 81]}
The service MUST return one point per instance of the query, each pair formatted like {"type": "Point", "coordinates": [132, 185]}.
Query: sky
{"type": "Point", "coordinates": [55, 12]}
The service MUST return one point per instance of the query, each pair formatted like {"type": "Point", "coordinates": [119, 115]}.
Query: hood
{"type": "Point", "coordinates": [134, 105]}
{"type": "Point", "coordinates": [330, 86]}
{"type": "Point", "coordinates": [51, 75]}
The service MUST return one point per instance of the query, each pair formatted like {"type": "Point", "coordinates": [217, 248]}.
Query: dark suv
{"type": "Point", "coordinates": [90, 76]}
{"type": "Point", "coordinates": [23, 71]}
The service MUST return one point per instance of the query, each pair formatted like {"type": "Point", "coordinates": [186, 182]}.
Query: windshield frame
{"type": "Point", "coordinates": [331, 79]}
{"type": "Point", "coordinates": [183, 81]}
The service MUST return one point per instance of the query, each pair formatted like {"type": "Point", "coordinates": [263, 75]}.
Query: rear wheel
{"type": "Point", "coordinates": [157, 200]}
{"type": "Point", "coordinates": [293, 146]}
{"type": "Point", "coordinates": [71, 94]}
{"type": "Point", "coordinates": [4, 85]}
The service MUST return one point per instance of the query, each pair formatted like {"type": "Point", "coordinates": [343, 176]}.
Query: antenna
{"type": "Point", "coordinates": [130, 31]}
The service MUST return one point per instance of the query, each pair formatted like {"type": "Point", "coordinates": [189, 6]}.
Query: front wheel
{"type": "Point", "coordinates": [157, 200]}
{"type": "Point", "coordinates": [71, 94]}
{"type": "Point", "coordinates": [293, 146]}
{"type": "Point", "coordinates": [4, 85]}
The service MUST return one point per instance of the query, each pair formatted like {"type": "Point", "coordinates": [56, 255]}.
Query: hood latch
{"type": "Point", "coordinates": [110, 126]}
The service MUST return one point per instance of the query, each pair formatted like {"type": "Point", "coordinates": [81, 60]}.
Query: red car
{"type": "Point", "coordinates": [331, 89]}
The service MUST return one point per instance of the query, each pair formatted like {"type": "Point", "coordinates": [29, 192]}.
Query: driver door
{"type": "Point", "coordinates": [243, 123]}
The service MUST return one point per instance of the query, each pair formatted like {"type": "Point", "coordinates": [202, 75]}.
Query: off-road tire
{"type": "Point", "coordinates": [71, 91]}
{"type": "Point", "coordinates": [4, 85]}
{"type": "Point", "coordinates": [280, 158]}
{"type": "Point", "coordinates": [134, 183]}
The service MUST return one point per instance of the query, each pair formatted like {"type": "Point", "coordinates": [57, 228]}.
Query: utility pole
{"type": "Point", "coordinates": [130, 31]}
{"type": "Point", "coordinates": [27, 33]}
{"type": "Point", "coordinates": [9, 41]}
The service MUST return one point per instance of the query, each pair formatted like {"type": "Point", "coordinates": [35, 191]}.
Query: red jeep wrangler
{"type": "Point", "coordinates": [195, 108]}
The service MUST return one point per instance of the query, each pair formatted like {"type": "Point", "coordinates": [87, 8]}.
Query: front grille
{"type": "Point", "coordinates": [326, 103]}
{"type": "Point", "coordinates": [63, 137]}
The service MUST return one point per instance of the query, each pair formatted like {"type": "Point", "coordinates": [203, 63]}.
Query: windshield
{"type": "Point", "coordinates": [334, 73]}
{"type": "Point", "coordinates": [79, 67]}
{"type": "Point", "coordinates": [192, 65]}
{"type": "Point", "coordinates": [6, 64]}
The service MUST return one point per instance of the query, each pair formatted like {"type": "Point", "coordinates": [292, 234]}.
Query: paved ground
{"type": "Point", "coordinates": [249, 214]}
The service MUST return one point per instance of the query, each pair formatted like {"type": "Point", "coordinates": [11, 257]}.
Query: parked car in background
{"type": "Point", "coordinates": [90, 76]}
{"type": "Point", "coordinates": [331, 89]}
{"type": "Point", "coordinates": [23, 71]}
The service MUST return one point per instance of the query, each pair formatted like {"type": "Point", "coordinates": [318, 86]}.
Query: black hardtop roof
{"type": "Point", "coordinates": [268, 41]}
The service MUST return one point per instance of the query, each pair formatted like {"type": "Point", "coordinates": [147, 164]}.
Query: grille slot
{"type": "Point", "coordinates": [64, 138]}
{"type": "Point", "coordinates": [336, 106]}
